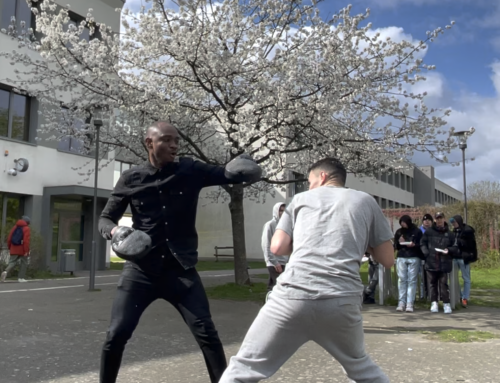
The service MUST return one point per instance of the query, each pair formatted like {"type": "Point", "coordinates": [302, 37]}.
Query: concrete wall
{"type": "Point", "coordinates": [214, 224]}
{"type": "Point", "coordinates": [380, 189]}
{"type": "Point", "coordinates": [423, 186]}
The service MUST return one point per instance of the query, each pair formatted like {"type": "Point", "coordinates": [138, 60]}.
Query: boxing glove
{"type": "Point", "coordinates": [243, 169]}
{"type": "Point", "coordinates": [129, 244]}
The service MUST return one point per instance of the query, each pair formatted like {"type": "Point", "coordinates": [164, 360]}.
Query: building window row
{"type": "Point", "coordinates": [399, 180]}
{"type": "Point", "coordinates": [390, 204]}
{"type": "Point", "coordinates": [443, 198]}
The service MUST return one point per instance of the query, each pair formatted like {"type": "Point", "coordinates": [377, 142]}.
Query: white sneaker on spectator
{"type": "Point", "coordinates": [401, 307]}
{"type": "Point", "coordinates": [434, 307]}
{"type": "Point", "coordinates": [3, 276]}
{"type": "Point", "coordinates": [447, 308]}
{"type": "Point", "coordinates": [409, 307]}
{"type": "Point", "coordinates": [22, 280]}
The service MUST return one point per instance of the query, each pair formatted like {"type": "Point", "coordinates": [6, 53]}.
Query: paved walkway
{"type": "Point", "coordinates": [52, 331]}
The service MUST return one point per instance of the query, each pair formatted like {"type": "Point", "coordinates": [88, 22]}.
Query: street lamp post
{"type": "Point", "coordinates": [462, 144]}
{"type": "Point", "coordinates": [93, 259]}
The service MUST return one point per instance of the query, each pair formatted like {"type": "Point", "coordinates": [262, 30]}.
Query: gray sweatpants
{"type": "Point", "coordinates": [283, 326]}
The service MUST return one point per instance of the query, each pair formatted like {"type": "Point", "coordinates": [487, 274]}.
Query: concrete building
{"type": "Point", "coordinates": [415, 186]}
{"type": "Point", "coordinates": [56, 197]}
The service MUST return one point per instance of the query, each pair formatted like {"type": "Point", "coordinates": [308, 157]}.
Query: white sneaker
{"type": "Point", "coordinates": [447, 308]}
{"type": "Point", "coordinates": [434, 307]}
{"type": "Point", "coordinates": [401, 307]}
{"type": "Point", "coordinates": [22, 280]}
{"type": "Point", "coordinates": [3, 276]}
{"type": "Point", "coordinates": [409, 307]}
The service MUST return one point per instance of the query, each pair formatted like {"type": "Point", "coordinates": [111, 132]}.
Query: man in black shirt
{"type": "Point", "coordinates": [163, 194]}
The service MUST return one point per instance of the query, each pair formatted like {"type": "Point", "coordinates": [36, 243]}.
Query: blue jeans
{"type": "Point", "coordinates": [408, 274]}
{"type": "Point", "coordinates": [465, 270]}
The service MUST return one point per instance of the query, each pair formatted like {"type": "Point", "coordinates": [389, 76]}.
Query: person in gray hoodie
{"type": "Point", "coordinates": [275, 264]}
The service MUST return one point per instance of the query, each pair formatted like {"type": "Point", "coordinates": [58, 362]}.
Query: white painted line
{"type": "Point", "coordinates": [42, 288]}
{"type": "Point", "coordinates": [72, 279]}
{"type": "Point", "coordinates": [104, 284]}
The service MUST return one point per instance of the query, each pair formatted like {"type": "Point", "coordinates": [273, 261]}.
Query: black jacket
{"type": "Point", "coordinates": [465, 240]}
{"type": "Point", "coordinates": [163, 204]}
{"type": "Point", "coordinates": [412, 234]}
{"type": "Point", "coordinates": [439, 238]}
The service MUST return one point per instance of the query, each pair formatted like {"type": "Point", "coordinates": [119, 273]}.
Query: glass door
{"type": "Point", "coordinates": [67, 232]}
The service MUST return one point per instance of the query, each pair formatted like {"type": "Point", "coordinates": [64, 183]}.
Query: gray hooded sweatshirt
{"type": "Point", "coordinates": [267, 235]}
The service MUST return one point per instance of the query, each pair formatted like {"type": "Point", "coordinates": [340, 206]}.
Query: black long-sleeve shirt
{"type": "Point", "coordinates": [163, 204]}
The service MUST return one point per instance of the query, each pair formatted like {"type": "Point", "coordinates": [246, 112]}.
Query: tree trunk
{"type": "Point", "coordinates": [241, 276]}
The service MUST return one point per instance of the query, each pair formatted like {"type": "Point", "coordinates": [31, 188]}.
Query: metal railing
{"type": "Point", "coordinates": [388, 286]}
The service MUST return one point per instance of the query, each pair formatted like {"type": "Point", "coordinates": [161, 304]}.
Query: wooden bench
{"type": "Point", "coordinates": [217, 255]}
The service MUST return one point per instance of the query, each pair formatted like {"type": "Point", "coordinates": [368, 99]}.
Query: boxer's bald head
{"type": "Point", "coordinates": [162, 142]}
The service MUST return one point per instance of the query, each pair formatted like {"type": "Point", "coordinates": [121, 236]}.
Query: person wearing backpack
{"type": "Point", "coordinates": [18, 243]}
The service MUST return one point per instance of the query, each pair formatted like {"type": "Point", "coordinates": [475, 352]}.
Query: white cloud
{"type": "Point", "coordinates": [395, 3]}
{"type": "Point", "coordinates": [468, 109]}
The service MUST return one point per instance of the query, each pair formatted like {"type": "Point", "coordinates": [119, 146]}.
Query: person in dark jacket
{"type": "Point", "coordinates": [407, 243]}
{"type": "Point", "coordinates": [163, 196]}
{"type": "Point", "coordinates": [438, 247]}
{"type": "Point", "coordinates": [427, 222]}
{"type": "Point", "coordinates": [369, 292]}
{"type": "Point", "coordinates": [465, 240]}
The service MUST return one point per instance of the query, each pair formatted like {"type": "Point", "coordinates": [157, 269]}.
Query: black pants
{"type": "Point", "coordinates": [436, 278]}
{"type": "Point", "coordinates": [372, 281]}
{"type": "Point", "coordinates": [184, 290]}
{"type": "Point", "coordinates": [273, 275]}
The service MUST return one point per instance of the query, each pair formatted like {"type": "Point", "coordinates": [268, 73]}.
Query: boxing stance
{"type": "Point", "coordinates": [318, 297]}
{"type": "Point", "coordinates": [161, 248]}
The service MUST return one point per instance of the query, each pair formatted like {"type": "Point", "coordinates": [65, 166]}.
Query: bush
{"type": "Point", "coordinates": [36, 262]}
{"type": "Point", "coordinates": [488, 260]}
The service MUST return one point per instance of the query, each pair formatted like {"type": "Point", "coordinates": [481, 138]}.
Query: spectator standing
{"type": "Point", "coordinates": [275, 264]}
{"type": "Point", "coordinates": [369, 293]}
{"type": "Point", "coordinates": [407, 243]}
{"type": "Point", "coordinates": [437, 245]}
{"type": "Point", "coordinates": [18, 243]}
{"type": "Point", "coordinates": [465, 240]}
{"type": "Point", "coordinates": [427, 222]}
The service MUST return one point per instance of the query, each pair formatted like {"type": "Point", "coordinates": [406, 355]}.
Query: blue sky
{"type": "Point", "coordinates": [467, 78]}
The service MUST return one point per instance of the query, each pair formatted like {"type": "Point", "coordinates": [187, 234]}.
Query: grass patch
{"type": "Point", "coordinates": [260, 276]}
{"type": "Point", "coordinates": [462, 336]}
{"type": "Point", "coordinates": [230, 291]}
{"type": "Point", "coordinates": [201, 265]}
{"type": "Point", "coordinates": [484, 278]}
{"type": "Point", "coordinates": [40, 274]}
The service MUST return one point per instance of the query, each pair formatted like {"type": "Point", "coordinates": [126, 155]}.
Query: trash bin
{"type": "Point", "coordinates": [68, 260]}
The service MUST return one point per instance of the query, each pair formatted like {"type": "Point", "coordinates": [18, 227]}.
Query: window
{"type": "Point", "coordinates": [391, 177]}
{"type": "Point", "coordinates": [396, 205]}
{"type": "Point", "coordinates": [391, 204]}
{"type": "Point", "coordinates": [403, 182]}
{"type": "Point", "coordinates": [408, 184]}
{"type": "Point", "coordinates": [299, 187]}
{"type": "Point", "coordinates": [14, 115]}
{"type": "Point", "coordinates": [383, 177]}
{"type": "Point", "coordinates": [384, 203]}
{"type": "Point", "coordinates": [18, 9]}
{"type": "Point", "coordinates": [77, 140]}
{"type": "Point", "coordinates": [396, 179]}
{"type": "Point", "coordinates": [120, 167]}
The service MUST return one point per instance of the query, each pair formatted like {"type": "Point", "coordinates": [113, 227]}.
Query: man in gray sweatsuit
{"type": "Point", "coordinates": [275, 263]}
{"type": "Point", "coordinates": [318, 297]}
